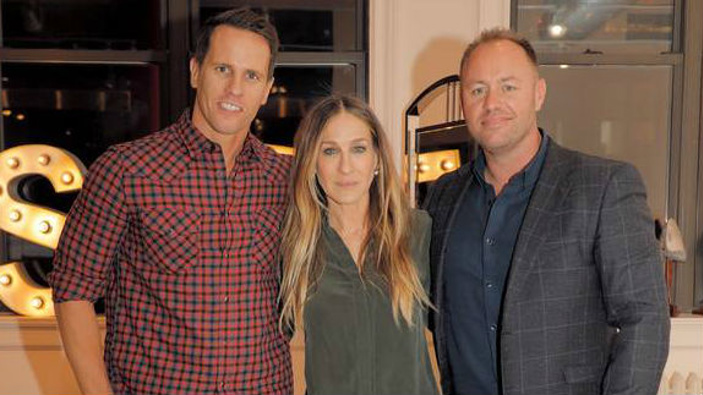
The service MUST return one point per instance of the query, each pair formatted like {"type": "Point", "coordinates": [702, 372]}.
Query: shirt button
{"type": "Point", "coordinates": [490, 241]}
{"type": "Point", "coordinates": [226, 299]}
{"type": "Point", "coordinates": [489, 285]}
{"type": "Point", "coordinates": [494, 328]}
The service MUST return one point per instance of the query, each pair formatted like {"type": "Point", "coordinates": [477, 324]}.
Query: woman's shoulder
{"type": "Point", "coordinates": [421, 226]}
{"type": "Point", "coordinates": [420, 243]}
{"type": "Point", "coordinates": [421, 219]}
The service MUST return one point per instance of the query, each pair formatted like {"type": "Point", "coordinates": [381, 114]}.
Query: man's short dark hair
{"type": "Point", "coordinates": [240, 18]}
{"type": "Point", "coordinates": [497, 34]}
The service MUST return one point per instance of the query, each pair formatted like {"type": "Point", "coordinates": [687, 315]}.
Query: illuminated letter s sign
{"type": "Point", "coordinates": [33, 223]}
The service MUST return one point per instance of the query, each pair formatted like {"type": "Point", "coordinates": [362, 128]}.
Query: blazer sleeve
{"type": "Point", "coordinates": [630, 265]}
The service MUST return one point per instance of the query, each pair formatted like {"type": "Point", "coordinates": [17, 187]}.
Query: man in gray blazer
{"type": "Point", "coordinates": [547, 277]}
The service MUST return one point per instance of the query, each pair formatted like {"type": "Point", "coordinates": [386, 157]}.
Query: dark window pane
{"type": "Point", "coordinates": [80, 108]}
{"type": "Point", "coordinates": [619, 112]}
{"type": "Point", "coordinates": [295, 90]}
{"type": "Point", "coordinates": [303, 25]}
{"type": "Point", "coordinates": [609, 26]}
{"type": "Point", "coordinates": [80, 24]}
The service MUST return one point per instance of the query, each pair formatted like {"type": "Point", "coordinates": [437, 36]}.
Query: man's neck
{"type": "Point", "coordinates": [501, 166]}
{"type": "Point", "coordinates": [231, 147]}
{"type": "Point", "coordinates": [230, 143]}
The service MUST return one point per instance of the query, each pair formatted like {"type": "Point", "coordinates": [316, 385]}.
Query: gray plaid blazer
{"type": "Point", "coordinates": [584, 310]}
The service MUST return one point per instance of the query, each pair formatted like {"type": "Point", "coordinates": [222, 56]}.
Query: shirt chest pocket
{"type": "Point", "coordinates": [267, 234]}
{"type": "Point", "coordinates": [170, 238]}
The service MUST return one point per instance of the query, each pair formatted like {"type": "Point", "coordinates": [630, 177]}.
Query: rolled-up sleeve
{"type": "Point", "coordinates": [92, 233]}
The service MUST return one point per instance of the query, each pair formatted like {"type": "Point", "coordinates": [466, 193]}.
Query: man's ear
{"type": "Point", "coordinates": [194, 73]}
{"type": "Point", "coordinates": [540, 93]}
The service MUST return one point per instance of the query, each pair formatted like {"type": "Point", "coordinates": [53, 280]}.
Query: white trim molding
{"type": "Point", "coordinates": [413, 43]}
{"type": "Point", "coordinates": [494, 13]}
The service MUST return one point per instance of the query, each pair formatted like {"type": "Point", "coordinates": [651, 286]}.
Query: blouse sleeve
{"type": "Point", "coordinates": [421, 246]}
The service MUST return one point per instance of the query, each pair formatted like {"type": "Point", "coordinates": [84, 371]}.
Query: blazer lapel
{"type": "Point", "coordinates": [451, 201]}
{"type": "Point", "coordinates": [549, 194]}
{"type": "Point", "coordinates": [443, 215]}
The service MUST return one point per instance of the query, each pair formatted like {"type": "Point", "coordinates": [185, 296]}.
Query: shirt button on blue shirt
{"type": "Point", "coordinates": [490, 241]}
{"type": "Point", "coordinates": [494, 327]}
{"type": "Point", "coordinates": [489, 285]}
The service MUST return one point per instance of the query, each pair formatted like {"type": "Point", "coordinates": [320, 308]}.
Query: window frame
{"type": "Point", "coordinates": [159, 57]}
{"type": "Point", "coordinates": [685, 162]}
{"type": "Point", "coordinates": [358, 59]}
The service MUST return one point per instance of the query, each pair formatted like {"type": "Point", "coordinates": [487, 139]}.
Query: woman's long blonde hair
{"type": "Point", "coordinates": [389, 219]}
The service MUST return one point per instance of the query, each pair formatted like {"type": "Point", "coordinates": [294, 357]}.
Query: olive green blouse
{"type": "Point", "coordinates": [352, 343]}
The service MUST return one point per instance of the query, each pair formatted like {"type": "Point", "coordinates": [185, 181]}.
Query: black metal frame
{"type": "Point", "coordinates": [449, 86]}
{"type": "Point", "coordinates": [414, 108]}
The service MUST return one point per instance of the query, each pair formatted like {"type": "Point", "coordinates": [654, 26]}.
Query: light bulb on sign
{"type": "Point", "coordinates": [13, 163]}
{"type": "Point", "coordinates": [15, 216]}
{"type": "Point", "coordinates": [37, 302]}
{"type": "Point", "coordinates": [67, 178]}
{"type": "Point", "coordinates": [5, 280]}
{"type": "Point", "coordinates": [44, 159]}
{"type": "Point", "coordinates": [44, 227]}
{"type": "Point", "coordinates": [447, 165]}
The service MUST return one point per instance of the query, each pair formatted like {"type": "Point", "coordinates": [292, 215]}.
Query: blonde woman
{"type": "Point", "coordinates": [355, 259]}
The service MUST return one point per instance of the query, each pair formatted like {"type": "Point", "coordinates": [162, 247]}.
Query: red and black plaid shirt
{"type": "Point", "coordinates": [185, 256]}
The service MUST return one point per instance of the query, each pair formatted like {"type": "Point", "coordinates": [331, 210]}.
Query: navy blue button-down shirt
{"type": "Point", "coordinates": [478, 256]}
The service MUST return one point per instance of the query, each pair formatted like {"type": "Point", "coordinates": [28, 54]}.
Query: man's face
{"type": "Point", "coordinates": [231, 82]}
{"type": "Point", "coordinates": [501, 93]}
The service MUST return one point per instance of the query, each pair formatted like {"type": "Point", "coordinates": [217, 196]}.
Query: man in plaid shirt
{"type": "Point", "coordinates": [179, 232]}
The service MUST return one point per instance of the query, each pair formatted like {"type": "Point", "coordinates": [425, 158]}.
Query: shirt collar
{"type": "Point", "coordinates": [197, 144]}
{"type": "Point", "coordinates": [194, 141]}
{"type": "Point", "coordinates": [527, 177]}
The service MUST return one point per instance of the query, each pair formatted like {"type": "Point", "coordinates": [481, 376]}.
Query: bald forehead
{"type": "Point", "coordinates": [498, 47]}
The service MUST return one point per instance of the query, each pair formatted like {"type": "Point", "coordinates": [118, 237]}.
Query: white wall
{"type": "Point", "coordinates": [413, 43]}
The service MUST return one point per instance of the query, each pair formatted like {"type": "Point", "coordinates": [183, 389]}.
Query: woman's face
{"type": "Point", "coordinates": [346, 160]}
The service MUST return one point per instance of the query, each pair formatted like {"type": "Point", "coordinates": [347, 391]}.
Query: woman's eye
{"type": "Point", "coordinates": [360, 149]}
{"type": "Point", "coordinates": [329, 151]}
